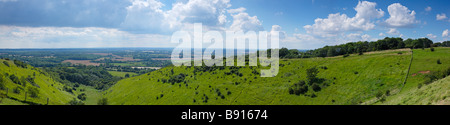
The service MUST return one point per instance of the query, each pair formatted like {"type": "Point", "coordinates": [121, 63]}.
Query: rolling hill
{"type": "Point", "coordinates": [372, 78]}
{"type": "Point", "coordinates": [18, 78]}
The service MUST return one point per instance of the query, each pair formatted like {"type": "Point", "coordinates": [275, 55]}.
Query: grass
{"type": "Point", "coordinates": [122, 74]}
{"type": "Point", "coordinates": [93, 95]}
{"type": "Point", "coordinates": [424, 60]}
{"type": "Point", "coordinates": [48, 88]}
{"type": "Point", "coordinates": [436, 93]}
{"type": "Point", "coordinates": [7, 101]}
{"type": "Point", "coordinates": [377, 73]}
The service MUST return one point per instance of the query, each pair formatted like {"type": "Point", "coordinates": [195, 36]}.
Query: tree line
{"type": "Point", "coordinates": [361, 47]}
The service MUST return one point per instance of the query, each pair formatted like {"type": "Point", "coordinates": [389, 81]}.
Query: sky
{"type": "Point", "coordinates": [302, 24]}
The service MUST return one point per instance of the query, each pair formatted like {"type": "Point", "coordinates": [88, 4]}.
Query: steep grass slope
{"type": "Point", "coordinates": [46, 86]}
{"type": "Point", "coordinates": [416, 91]}
{"type": "Point", "coordinates": [352, 80]}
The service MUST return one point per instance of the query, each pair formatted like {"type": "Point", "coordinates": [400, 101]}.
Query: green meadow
{"type": "Point", "coordinates": [371, 78]}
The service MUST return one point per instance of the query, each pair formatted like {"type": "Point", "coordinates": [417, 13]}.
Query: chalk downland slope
{"type": "Point", "coordinates": [351, 80]}
{"type": "Point", "coordinates": [29, 79]}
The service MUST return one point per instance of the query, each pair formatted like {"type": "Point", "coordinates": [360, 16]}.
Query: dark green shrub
{"type": "Point", "coordinates": [102, 101]}
{"type": "Point", "coordinates": [74, 101]}
{"type": "Point", "coordinates": [20, 64]}
{"type": "Point", "coordinates": [17, 90]}
{"type": "Point", "coordinates": [316, 87]}
{"type": "Point", "coordinates": [346, 55]}
{"type": "Point", "coordinates": [439, 61]}
{"type": "Point", "coordinates": [68, 89]}
{"type": "Point", "coordinates": [34, 92]}
{"type": "Point", "coordinates": [298, 88]}
{"type": "Point", "coordinates": [14, 79]}
{"type": "Point", "coordinates": [388, 92]}
{"type": "Point", "coordinates": [6, 63]}
{"type": "Point", "coordinates": [432, 49]}
{"type": "Point", "coordinates": [379, 94]}
{"type": "Point", "coordinates": [82, 96]}
{"type": "Point", "coordinates": [2, 84]}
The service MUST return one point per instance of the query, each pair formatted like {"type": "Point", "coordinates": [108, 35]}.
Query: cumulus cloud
{"type": "Point", "coordinates": [400, 16]}
{"type": "Point", "coordinates": [209, 12]}
{"type": "Point", "coordinates": [147, 15]}
{"type": "Point", "coordinates": [275, 28]}
{"type": "Point", "coordinates": [337, 23]}
{"type": "Point", "coordinates": [441, 16]}
{"type": "Point", "coordinates": [381, 34]}
{"type": "Point", "coordinates": [357, 37]}
{"type": "Point", "coordinates": [242, 21]}
{"type": "Point", "coordinates": [431, 36]}
{"type": "Point", "coordinates": [144, 15]}
{"type": "Point", "coordinates": [445, 33]}
{"type": "Point", "coordinates": [393, 31]}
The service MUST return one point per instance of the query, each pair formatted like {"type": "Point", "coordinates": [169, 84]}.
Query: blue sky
{"type": "Point", "coordinates": [303, 24]}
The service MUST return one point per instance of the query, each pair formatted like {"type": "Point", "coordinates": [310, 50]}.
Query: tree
{"type": "Point", "coordinates": [127, 75]}
{"type": "Point", "coordinates": [331, 52]}
{"type": "Point", "coordinates": [283, 52]}
{"type": "Point", "coordinates": [311, 74]}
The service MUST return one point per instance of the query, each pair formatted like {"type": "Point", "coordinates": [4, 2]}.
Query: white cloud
{"type": "Point", "coordinates": [208, 12]}
{"type": "Point", "coordinates": [441, 16]}
{"type": "Point", "coordinates": [400, 16]}
{"type": "Point", "coordinates": [445, 33]}
{"type": "Point", "coordinates": [381, 34]}
{"type": "Point", "coordinates": [428, 9]}
{"type": "Point", "coordinates": [367, 10]}
{"type": "Point", "coordinates": [243, 21]}
{"type": "Point", "coordinates": [431, 36]}
{"type": "Point", "coordinates": [144, 16]}
{"type": "Point", "coordinates": [282, 34]}
{"type": "Point", "coordinates": [237, 10]}
{"type": "Point", "coordinates": [393, 31]}
{"type": "Point", "coordinates": [147, 15]}
{"type": "Point", "coordinates": [357, 37]}
{"type": "Point", "coordinates": [337, 23]}
{"type": "Point", "coordinates": [69, 37]}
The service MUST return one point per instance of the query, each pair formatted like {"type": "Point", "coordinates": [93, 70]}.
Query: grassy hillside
{"type": "Point", "coordinates": [357, 79]}
{"type": "Point", "coordinates": [31, 79]}
{"type": "Point", "coordinates": [418, 89]}
{"type": "Point", "coordinates": [436, 93]}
